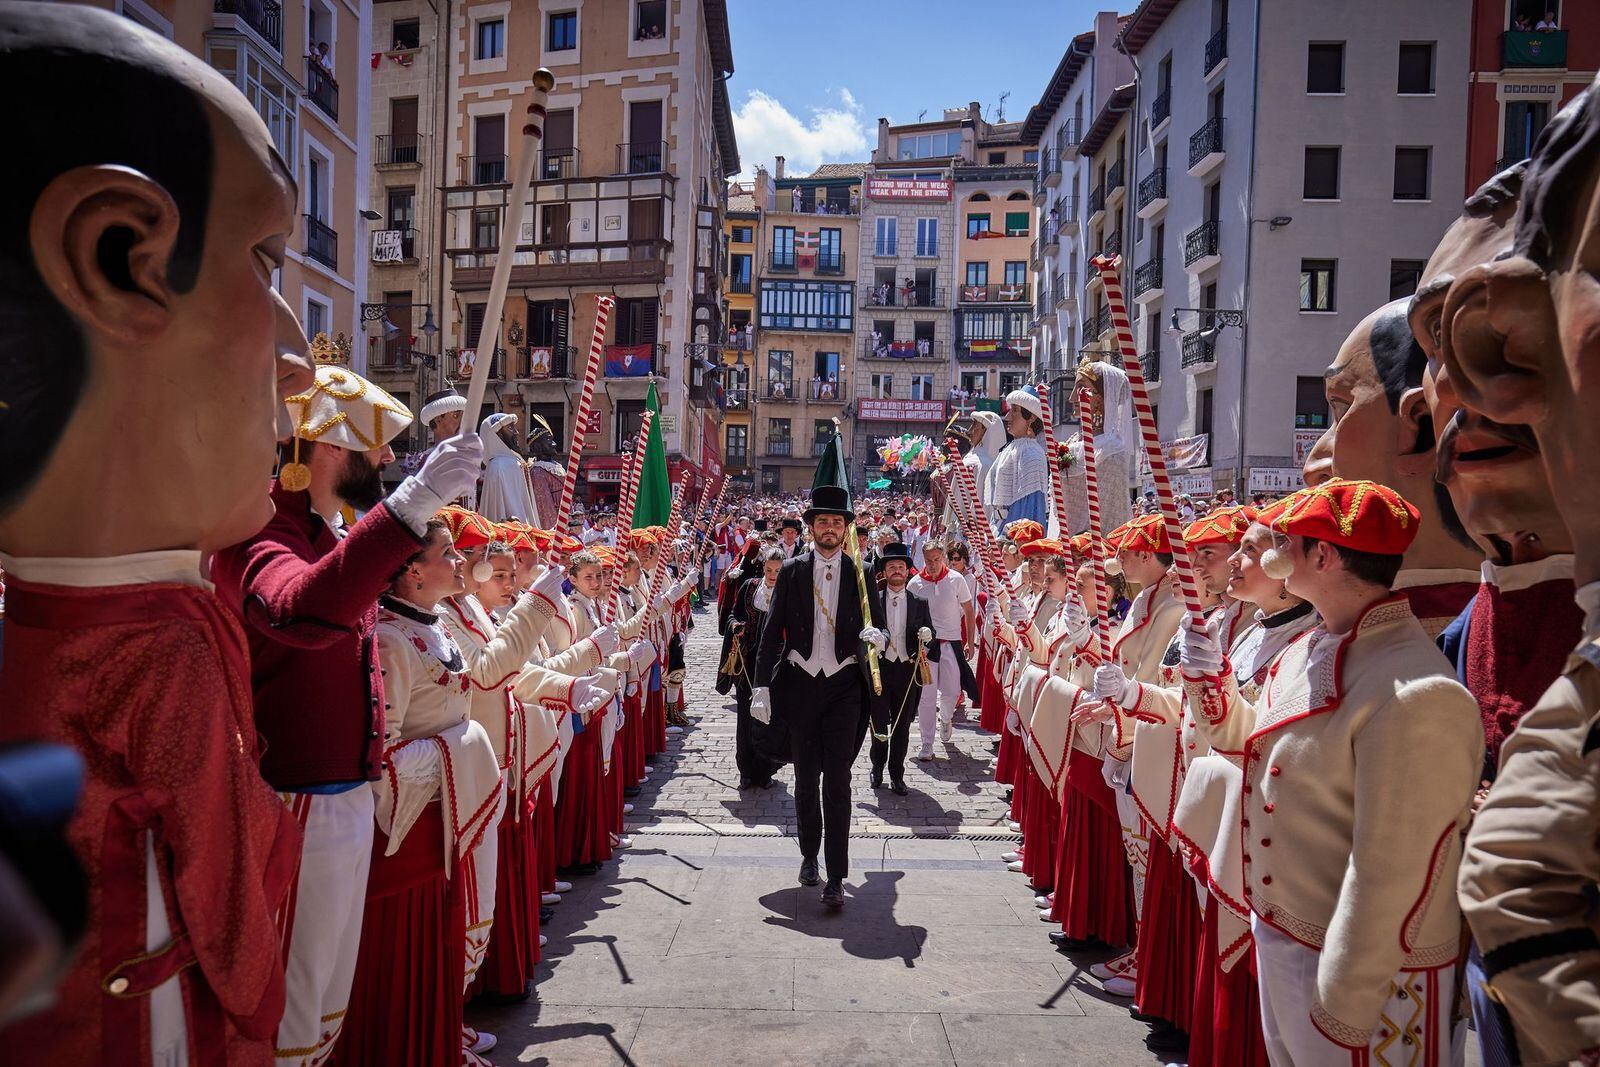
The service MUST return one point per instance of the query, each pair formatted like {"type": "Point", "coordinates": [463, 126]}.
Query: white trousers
{"type": "Point", "coordinates": [1413, 1029]}
{"type": "Point", "coordinates": [169, 1036]}
{"type": "Point", "coordinates": [320, 923]}
{"type": "Point", "coordinates": [480, 871]}
{"type": "Point", "coordinates": [938, 700]}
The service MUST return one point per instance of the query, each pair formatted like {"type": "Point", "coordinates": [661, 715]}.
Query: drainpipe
{"type": "Point", "coordinates": [1240, 488]}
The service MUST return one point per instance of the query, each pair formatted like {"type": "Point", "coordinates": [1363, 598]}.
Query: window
{"type": "Point", "coordinates": [318, 314]}
{"type": "Point", "coordinates": [977, 224]}
{"type": "Point", "coordinates": [887, 241]}
{"type": "Point", "coordinates": [930, 145]}
{"type": "Point", "coordinates": [1011, 381]}
{"type": "Point", "coordinates": [1411, 173]}
{"type": "Point", "coordinates": [1310, 404]}
{"type": "Point", "coordinates": [743, 235]}
{"type": "Point", "coordinates": [783, 247]}
{"type": "Point", "coordinates": [927, 237]}
{"type": "Point", "coordinates": [1016, 272]}
{"type": "Point", "coordinates": [737, 449]}
{"type": "Point", "coordinates": [1030, 156]}
{"type": "Point", "coordinates": [1404, 276]}
{"type": "Point", "coordinates": [490, 40]}
{"type": "Point", "coordinates": [997, 159]}
{"type": "Point", "coordinates": [474, 324]}
{"type": "Point", "coordinates": [778, 436]}
{"type": "Point", "coordinates": [563, 31]}
{"type": "Point", "coordinates": [1416, 67]}
{"type": "Point", "coordinates": [1325, 67]}
{"type": "Point", "coordinates": [273, 100]}
{"type": "Point", "coordinates": [626, 419]}
{"type": "Point", "coordinates": [974, 381]}
{"type": "Point", "coordinates": [821, 434]}
{"type": "Point", "coordinates": [1017, 223]}
{"type": "Point", "coordinates": [977, 273]}
{"type": "Point", "coordinates": [1316, 284]}
{"type": "Point", "coordinates": [830, 254]}
{"type": "Point", "coordinates": [883, 386]}
{"type": "Point", "coordinates": [922, 387]}
{"type": "Point", "coordinates": [547, 324]}
{"type": "Point", "coordinates": [739, 272]}
{"type": "Point", "coordinates": [555, 222]}
{"type": "Point", "coordinates": [407, 34]}
{"type": "Point", "coordinates": [807, 305]}
{"type": "Point", "coordinates": [486, 229]}
{"type": "Point", "coordinates": [780, 366]}
{"type": "Point", "coordinates": [1524, 121]}
{"type": "Point", "coordinates": [650, 20]}
{"type": "Point", "coordinates": [1322, 173]}
{"type": "Point", "coordinates": [1203, 408]}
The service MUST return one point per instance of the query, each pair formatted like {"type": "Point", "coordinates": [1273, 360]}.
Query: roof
{"type": "Point", "coordinates": [840, 170]}
{"type": "Point", "coordinates": [1055, 90]}
{"type": "Point", "coordinates": [717, 35]}
{"type": "Point", "coordinates": [1117, 105]}
{"type": "Point", "coordinates": [742, 204]}
{"type": "Point", "coordinates": [722, 120]}
{"type": "Point", "coordinates": [1145, 20]}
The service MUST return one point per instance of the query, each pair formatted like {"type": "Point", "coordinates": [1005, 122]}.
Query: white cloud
{"type": "Point", "coordinates": [766, 128]}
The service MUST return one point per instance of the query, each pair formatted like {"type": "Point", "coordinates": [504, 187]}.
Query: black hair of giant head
{"type": "Point", "coordinates": [89, 88]}
{"type": "Point", "coordinates": [1567, 150]}
{"type": "Point", "coordinates": [1498, 192]}
{"type": "Point", "coordinates": [1398, 359]}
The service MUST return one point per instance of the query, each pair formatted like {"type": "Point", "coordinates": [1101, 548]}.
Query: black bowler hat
{"type": "Point", "coordinates": [829, 500]}
{"type": "Point", "coordinates": [894, 550]}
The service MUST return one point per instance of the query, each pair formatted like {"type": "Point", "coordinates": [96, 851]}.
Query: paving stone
{"type": "Point", "coordinates": [781, 1039]}
{"type": "Point", "coordinates": [923, 984]}
{"type": "Point", "coordinates": [1046, 1041]}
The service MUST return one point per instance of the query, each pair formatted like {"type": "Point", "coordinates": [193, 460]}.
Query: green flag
{"type": "Point", "coordinates": [830, 469]}
{"type": "Point", "coordinates": [654, 503]}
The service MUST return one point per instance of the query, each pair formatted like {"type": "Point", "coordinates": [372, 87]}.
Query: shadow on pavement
{"type": "Point", "coordinates": [865, 928]}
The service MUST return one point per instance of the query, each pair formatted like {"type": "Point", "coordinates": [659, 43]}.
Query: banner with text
{"type": "Point", "coordinates": [908, 189]}
{"type": "Point", "coordinates": [873, 409]}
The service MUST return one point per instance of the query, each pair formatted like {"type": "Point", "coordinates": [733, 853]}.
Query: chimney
{"type": "Point", "coordinates": [778, 167]}
{"type": "Point", "coordinates": [762, 189]}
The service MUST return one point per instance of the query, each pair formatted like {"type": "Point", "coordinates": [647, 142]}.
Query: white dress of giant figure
{"type": "Point", "coordinates": [1116, 445]}
{"type": "Point", "coordinates": [1018, 485]}
{"type": "Point", "coordinates": [979, 458]}
{"type": "Point", "coordinates": [505, 485]}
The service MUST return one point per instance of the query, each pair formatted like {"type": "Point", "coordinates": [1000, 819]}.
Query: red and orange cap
{"type": "Point", "coordinates": [1360, 515]}
{"type": "Point", "coordinates": [1023, 530]}
{"type": "Point", "coordinates": [1147, 533]}
{"type": "Point", "coordinates": [1224, 526]}
{"type": "Point", "coordinates": [1043, 546]}
{"type": "Point", "coordinates": [468, 529]}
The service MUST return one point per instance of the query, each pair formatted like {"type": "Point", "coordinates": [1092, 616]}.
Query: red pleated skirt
{"type": "Point", "coordinates": [544, 839]}
{"type": "Point", "coordinates": [991, 698]}
{"type": "Point", "coordinates": [1169, 939]}
{"type": "Point", "coordinates": [582, 833]}
{"type": "Point", "coordinates": [1094, 888]}
{"type": "Point", "coordinates": [405, 1001]}
{"type": "Point", "coordinates": [1229, 1001]}
{"type": "Point", "coordinates": [655, 709]}
{"type": "Point", "coordinates": [1040, 831]}
{"type": "Point", "coordinates": [638, 742]}
{"type": "Point", "coordinates": [513, 949]}
{"type": "Point", "coordinates": [1009, 768]}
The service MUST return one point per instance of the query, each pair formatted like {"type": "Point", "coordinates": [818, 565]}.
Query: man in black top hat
{"type": "Point", "coordinates": [792, 545]}
{"type": "Point", "coordinates": [905, 617]}
{"type": "Point", "coordinates": [811, 675]}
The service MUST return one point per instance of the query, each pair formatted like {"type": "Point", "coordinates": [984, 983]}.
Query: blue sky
{"type": "Point", "coordinates": [812, 78]}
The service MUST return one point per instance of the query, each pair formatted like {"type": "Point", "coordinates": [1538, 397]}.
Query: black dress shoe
{"type": "Point", "coordinates": [833, 894]}
{"type": "Point", "coordinates": [808, 872]}
{"type": "Point", "coordinates": [745, 783]}
{"type": "Point", "coordinates": [546, 913]}
{"type": "Point", "coordinates": [898, 788]}
{"type": "Point", "coordinates": [1167, 1038]}
{"type": "Point", "coordinates": [631, 790]}
{"type": "Point", "coordinates": [877, 779]}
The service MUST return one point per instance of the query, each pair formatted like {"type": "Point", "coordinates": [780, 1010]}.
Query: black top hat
{"type": "Point", "coordinates": [894, 550]}
{"type": "Point", "coordinates": [829, 500]}
{"type": "Point", "coordinates": [792, 524]}
{"type": "Point", "coordinates": [761, 525]}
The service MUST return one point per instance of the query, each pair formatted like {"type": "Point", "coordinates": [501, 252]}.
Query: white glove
{"type": "Point", "coordinates": [1017, 612]}
{"type": "Point", "coordinates": [1115, 773]}
{"type": "Point", "coordinates": [1013, 721]}
{"type": "Point", "coordinates": [661, 605]}
{"type": "Point", "coordinates": [676, 590]}
{"type": "Point", "coordinates": [1077, 617]}
{"type": "Point", "coordinates": [761, 704]}
{"type": "Point", "coordinates": [450, 471]}
{"type": "Point", "coordinates": [641, 654]}
{"type": "Point", "coordinates": [548, 584]}
{"type": "Point", "coordinates": [1200, 648]}
{"type": "Point", "coordinates": [878, 639]}
{"type": "Point", "coordinates": [606, 639]}
{"type": "Point", "coordinates": [1111, 684]}
{"type": "Point", "coordinates": [588, 695]}
{"type": "Point", "coordinates": [633, 689]}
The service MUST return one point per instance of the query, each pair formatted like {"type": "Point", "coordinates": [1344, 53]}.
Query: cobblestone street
{"type": "Point", "coordinates": [697, 946]}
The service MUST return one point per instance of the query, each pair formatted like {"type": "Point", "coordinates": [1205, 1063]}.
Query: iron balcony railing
{"type": "Point", "coordinates": [736, 457]}
{"type": "Point", "coordinates": [1216, 49]}
{"type": "Point", "coordinates": [1198, 349]}
{"type": "Point", "coordinates": [780, 446]}
{"type": "Point", "coordinates": [1114, 177]}
{"type": "Point", "coordinates": [1067, 136]}
{"type": "Point", "coordinates": [1152, 187]}
{"type": "Point", "coordinates": [1066, 285]}
{"type": "Point", "coordinates": [904, 349]}
{"type": "Point", "coordinates": [265, 17]}
{"type": "Point", "coordinates": [820, 445]}
{"type": "Point", "coordinates": [1048, 161]}
{"type": "Point", "coordinates": [482, 170]}
{"type": "Point", "coordinates": [736, 399]}
{"type": "Point", "coordinates": [778, 389]}
{"type": "Point", "coordinates": [994, 293]}
{"type": "Point", "coordinates": [739, 285]}
{"type": "Point", "coordinates": [322, 242]}
{"type": "Point", "coordinates": [1065, 209]}
{"type": "Point", "coordinates": [322, 89]}
{"type": "Point", "coordinates": [1112, 244]}
{"type": "Point", "coordinates": [1097, 200]}
{"type": "Point", "coordinates": [830, 263]}
{"type": "Point", "coordinates": [1102, 321]}
{"type": "Point", "coordinates": [1201, 241]}
{"type": "Point", "coordinates": [1086, 329]}
{"type": "Point", "coordinates": [1161, 107]}
{"type": "Point", "coordinates": [784, 262]}
{"type": "Point", "coordinates": [408, 242]}
{"type": "Point", "coordinates": [642, 157]}
{"type": "Point", "coordinates": [826, 390]}
{"type": "Point", "coordinates": [1150, 363]}
{"type": "Point", "coordinates": [893, 295]}
{"type": "Point", "coordinates": [555, 163]}
{"type": "Point", "coordinates": [1147, 277]}
{"type": "Point", "coordinates": [390, 150]}
{"type": "Point", "coordinates": [1206, 140]}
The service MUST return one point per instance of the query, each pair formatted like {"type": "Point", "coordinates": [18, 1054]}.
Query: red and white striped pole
{"type": "Point", "coordinates": [1097, 538]}
{"type": "Point", "coordinates": [658, 578]}
{"type": "Point", "coordinates": [1058, 490]}
{"type": "Point", "coordinates": [630, 493]}
{"type": "Point", "coordinates": [964, 515]}
{"type": "Point", "coordinates": [989, 545]}
{"type": "Point", "coordinates": [591, 373]}
{"type": "Point", "coordinates": [1109, 268]}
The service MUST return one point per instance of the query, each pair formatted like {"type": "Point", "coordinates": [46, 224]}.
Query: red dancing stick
{"type": "Point", "coordinates": [988, 545]}
{"type": "Point", "coordinates": [1057, 489]}
{"type": "Point", "coordinates": [970, 525]}
{"type": "Point", "coordinates": [1097, 543]}
{"type": "Point", "coordinates": [569, 483]}
{"type": "Point", "coordinates": [1109, 268]}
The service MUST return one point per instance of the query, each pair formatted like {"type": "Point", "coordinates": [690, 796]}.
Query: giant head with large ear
{"type": "Point", "coordinates": [144, 350]}
{"type": "Point", "coordinates": [1521, 335]}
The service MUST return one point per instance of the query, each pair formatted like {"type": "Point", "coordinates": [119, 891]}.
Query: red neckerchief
{"type": "Point", "coordinates": [923, 573]}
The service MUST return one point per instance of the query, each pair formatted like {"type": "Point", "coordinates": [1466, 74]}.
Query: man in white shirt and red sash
{"type": "Point", "coordinates": [949, 599]}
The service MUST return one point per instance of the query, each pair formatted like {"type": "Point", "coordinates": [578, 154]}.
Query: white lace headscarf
{"type": "Point", "coordinates": [1120, 431]}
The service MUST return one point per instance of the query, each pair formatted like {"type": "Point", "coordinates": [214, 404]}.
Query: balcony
{"type": "Point", "coordinates": [1116, 183]}
{"type": "Point", "coordinates": [781, 390]}
{"type": "Point", "coordinates": [1216, 51]}
{"type": "Point", "coordinates": [1150, 365]}
{"type": "Point", "coordinates": [1102, 322]}
{"type": "Point", "coordinates": [1111, 244]}
{"type": "Point", "coordinates": [1199, 352]}
{"type": "Point", "coordinates": [322, 89]}
{"type": "Point", "coordinates": [900, 351]}
{"type": "Point", "coordinates": [1202, 247]}
{"type": "Point", "coordinates": [1152, 197]}
{"type": "Point", "coordinates": [826, 390]}
{"type": "Point", "coordinates": [557, 163]}
{"type": "Point", "coordinates": [1050, 168]}
{"type": "Point", "coordinates": [391, 151]}
{"type": "Point", "coordinates": [740, 285]}
{"type": "Point", "coordinates": [397, 245]}
{"type": "Point", "coordinates": [1067, 140]}
{"type": "Point", "coordinates": [736, 400]}
{"type": "Point", "coordinates": [1002, 293]}
{"type": "Point", "coordinates": [780, 446]}
{"type": "Point", "coordinates": [1065, 210]}
{"type": "Point", "coordinates": [1086, 330]}
{"type": "Point", "coordinates": [819, 446]}
{"type": "Point", "coordinates": [481, 170]}
{"type": "Point", "coordinates": [782, 262]}
{"type": "Point", "coordinates": [822, 205]}
{"type": "Point", "coordinates": [736, 459]}
{"type": "Point", "coordinates": [551, 362]}
{"type": "Point", "coordinates": [322, 243]}
{"type": "Point", "coordinates": [830, 263]}
{"type": "Point", "coordinates": [642, 157]}
{"type": "Point", "coordinates": [1160, 109]}
{"type": "Point", "coordinates": [1036, 252]}
{"type": "Point", "coordinates": [1205, 147]}
{"type": "Point", "coordinates": [1067, 290]}
{"type": "Point", "coordinates": [604, 263]}
{"type": "Point", "coordinates": [1533, 50]}
{"type": "Point", "coordinates": [889, 295]}
{"type": "Point", "coordinates": [1148, 284]}
{"type": "Point", "coordinates": [263, 17]}
{"type": "Point", "coordinates": [1097, 204]}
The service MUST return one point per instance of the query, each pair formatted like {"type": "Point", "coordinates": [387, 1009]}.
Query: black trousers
{"type": "Point", "coordinates": [898, 706]}
{"type": "Point", "coordinates": [753, 766]}
{"type": "Point", "coordinates": [826, 727]}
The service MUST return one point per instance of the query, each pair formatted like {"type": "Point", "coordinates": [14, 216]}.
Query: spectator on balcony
{"type": "Point", "coordinates": [908, 289]}
{"type": "Point", "coordinates": [1548, 23]}
{"type": "Point", "coordinates": [799, 201]}
{"type": "Point", "coordinates": [1521, 24]}
{"type": "Point", "coordinates": [924, 347]}
{"type": "Point", "coordinates": [321, 58]}
{"type": "Point", "coordinates": [780, 391]}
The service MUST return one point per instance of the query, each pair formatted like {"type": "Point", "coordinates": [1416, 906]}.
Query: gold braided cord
{"type": "Point", "coordinates": [1297, 502]}
{"type": "Point", "coordinates": [341, 386]}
